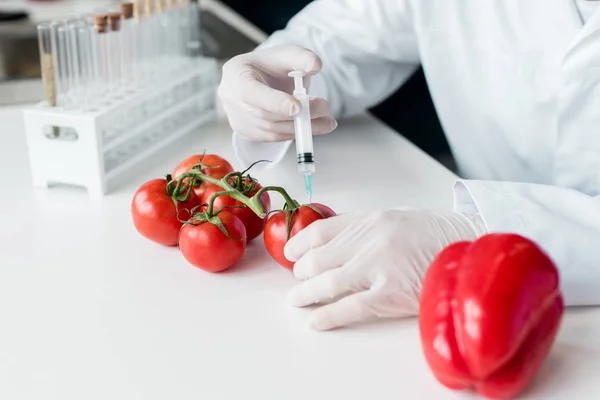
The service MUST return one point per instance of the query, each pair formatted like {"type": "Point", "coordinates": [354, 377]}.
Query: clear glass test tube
{"type": "Point", "coordinates": [127, 46]}
{"type": "Point", "coordinates": [63, 45]}
{"type": "Point", "coordinates": [162, 26]}
{"type": "Point", "coordinates": [100, 39]}
{"type": "Point", "coordinates": [90, 75]}
{"type": "Point", "coordinates": [184, 28]}
{"type": "Point", "coordinates": [195, 37]}
{"type": "Point", "coordinates": [114, 52]}
{"type": "Point", "coordinates": [174, 32]}
{"type": "Point", "coordinates": [146, 33]}
{"type": "Point", "coordinates": [48, 65]}
{"type": "Point", "coordinates": [73, 56]}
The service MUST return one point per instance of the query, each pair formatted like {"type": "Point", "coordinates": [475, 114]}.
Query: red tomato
{"type": "Point", "coordinates": [489, 313]}
{"type": "Point", "coordinates": [253, 223]}
{"type": "Point", "coordinates": [205, 246]}
{"type": "Point", "coordinates": [219, 168]}
{"type": "Point", "coordinates": [154, 213]}
{"type": "Point", "coordinates": [275, 235]}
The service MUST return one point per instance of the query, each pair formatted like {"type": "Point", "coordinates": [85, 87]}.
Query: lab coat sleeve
{"type": "Point", "coordinates": [564, 222]}
{"type": "Point", "coordinates": [368, 48]}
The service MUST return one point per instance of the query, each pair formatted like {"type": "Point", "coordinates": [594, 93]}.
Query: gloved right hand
{"type": "Point", "coordinates": [255, 90]}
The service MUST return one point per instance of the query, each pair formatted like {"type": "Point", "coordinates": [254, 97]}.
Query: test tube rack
{"type": "Point", "coordinates": [93, 148]}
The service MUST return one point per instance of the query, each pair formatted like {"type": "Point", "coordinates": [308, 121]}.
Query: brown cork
{"type": "Point", "coordinates": [114, 20]}
{"type": "Point", "coordinates": [126, 10]}
{"type": "Point", "coordinates": [101, 23]}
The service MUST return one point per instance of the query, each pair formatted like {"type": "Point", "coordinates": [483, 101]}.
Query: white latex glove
{"type": "Point", "coordinates": [255, 90]}
{"type": "Point", "coordinates": [371, 265]}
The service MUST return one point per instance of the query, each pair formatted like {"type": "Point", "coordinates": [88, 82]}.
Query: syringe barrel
{"type": "Point", "coordinates": [304, 139]}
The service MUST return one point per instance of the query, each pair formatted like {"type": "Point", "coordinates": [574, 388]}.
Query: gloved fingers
{"type": "Point", "coordinates": [243, 83]}
{"type": "Point", "coordinates": [318, 260]}
{"type": "Point", "coordinates": [247, 126]}
{"type": "Point", "coordinates": [316, 234]}
{"type": "Point", "coordinates": [257, 129]}
{"type": "Point", "coordinates": [319, 126]}
{"type": "Point", "coordinates": [318, 108]}
{"type": "Point", "coordinates": [325, 287]}
{"type": "Point", "coordinates": [286, 58]}
{"type": "Point", "coordinates": [346, 311]}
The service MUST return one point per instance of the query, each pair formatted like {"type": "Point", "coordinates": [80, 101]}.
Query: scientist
{"type": "Point", "coordinates": [516, 85]}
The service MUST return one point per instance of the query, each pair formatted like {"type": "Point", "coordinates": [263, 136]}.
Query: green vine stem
{"type": "Point", "coordinates": [290, 203]}
{"type": "Point", "coordinates": [178, 192]}
{"type": "Point", "coordinates": [213, 197]}
{"type": "Point", "coordinates": [251, 202]}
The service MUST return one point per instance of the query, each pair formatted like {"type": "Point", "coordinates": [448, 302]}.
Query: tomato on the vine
{"type": "Point", "coordinates": [278, 225]}
{"type": "Point", "coordinates": [213, 243]}
{"type": "Point", "coordinates": [249, 187]}
{"type": "Point", "coordinates": [154, 213]}
{"type": "Point", "coordinates": [214, 166]}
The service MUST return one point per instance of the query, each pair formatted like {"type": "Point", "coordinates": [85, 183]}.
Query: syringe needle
{"type": "Point", "coordinates": [308, 186]}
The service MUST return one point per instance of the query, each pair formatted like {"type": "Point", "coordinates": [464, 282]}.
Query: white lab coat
{"type": "Point", "coordinates": [516, 85]}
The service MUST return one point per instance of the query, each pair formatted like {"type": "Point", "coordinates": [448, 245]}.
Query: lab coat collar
{"type": "Point", "coordinates": [588, 30]}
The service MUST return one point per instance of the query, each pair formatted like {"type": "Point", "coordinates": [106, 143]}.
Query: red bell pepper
{"type": "Point", "coordinates": [489, 313]}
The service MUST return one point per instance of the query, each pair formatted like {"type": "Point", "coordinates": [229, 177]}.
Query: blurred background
{"type": "Point", "coordinates": [229, 27]}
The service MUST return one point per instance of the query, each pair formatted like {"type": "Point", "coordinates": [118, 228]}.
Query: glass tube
{"type": "Point", "coordinates": [114, 53]}
{"type": "Point", "coordinates": [195, 37]}
{"type": "Point", "coordinates": [100, 38]}
{"type": "Point", "coordinates": [47, 62]}
{"type": "Point", "coordinates": [63, 52]}
{"type": "Point", "coordinates": [184, 30]}
{"type": "Point", "coordinates": [89, 66]}
{"type": "Point", "coordinates": [127, 46]}
{"type": "Point", "coordinates": [174, 33]}
{"type": "Point", "coordinates": [75, 96]}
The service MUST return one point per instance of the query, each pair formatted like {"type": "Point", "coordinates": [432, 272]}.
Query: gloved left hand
{"type": "Point", "coordinates": [371, 265]}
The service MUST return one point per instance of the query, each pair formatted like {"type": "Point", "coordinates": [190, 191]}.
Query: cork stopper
{"type": "Point", "coordinates": [171, 4]}
{"type": "Point", "coordinates": [160, 5]}
{"type": "Point", "coordinates": [126, 10]}
{"type": "Point", "coordinates": [101, 23]}
{"type": "Point", "coordinates": [115, 21]}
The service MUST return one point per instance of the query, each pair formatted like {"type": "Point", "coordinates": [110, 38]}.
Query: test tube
{"type": "Point", "coordinates": [162, 25]}
{"type": "Point", "coordinates": [47, 51]}
{"type": "Point", "coordinates": [63, 52]}
{"type": "Point", "coordinates": [151, 34]}
{"type": "Point", "coordinates": [184, 31]}
{"type": "Point", "coordinates": [137, 44]}
{"type": "Point", "coordinates": [74, 69]}
{"type": "Point", "coordinates": [47, 62]}
{"type": "Point", "coordinates": [103, 57]}
{"type": "Point", "coordinates": [127, 46]}
{"type": "Point", "coordinates": [114, 52]}
{"type": "Point", "coordinates": [175, 31]}
{"type": "Point", "coordinates": [194, 45]}
{"type": "Point", "coordinates": [142, 41]}
{"type": "Point", "coordinates": [91, 74]}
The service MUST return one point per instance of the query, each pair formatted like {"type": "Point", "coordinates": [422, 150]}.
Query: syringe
{"type": "Point", "coordinates": [302, 127]}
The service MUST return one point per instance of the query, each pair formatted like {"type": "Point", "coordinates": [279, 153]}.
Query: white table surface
{"type": "Point", "coordinates": [90, 310]}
